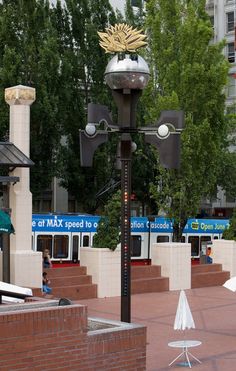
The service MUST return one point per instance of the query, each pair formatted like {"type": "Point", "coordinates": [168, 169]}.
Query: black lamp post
{"type": "Point", "coordinates": [127, 74]}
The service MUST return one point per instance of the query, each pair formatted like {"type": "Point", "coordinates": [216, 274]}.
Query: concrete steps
{"type": "Point", "coordinates": [206, 275]}
{"type": "Point", "coordinates": [70, 282]}
{"type": "Point", "coordinates": [148, 278]}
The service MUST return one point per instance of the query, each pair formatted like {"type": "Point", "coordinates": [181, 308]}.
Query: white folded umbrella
{"type": "Point", "coordinates": [183, 318]}
{"type": "Point", "coordinates": [230, 284]}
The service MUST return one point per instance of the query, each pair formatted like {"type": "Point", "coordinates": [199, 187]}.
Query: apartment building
{"type": "Point", "coordinates": [222, 14]}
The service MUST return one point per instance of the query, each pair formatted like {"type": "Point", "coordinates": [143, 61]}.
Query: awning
{"type": "Point", "coordinates": [5, 223]}
{"type": "Point", "coordinates": [12, 156]}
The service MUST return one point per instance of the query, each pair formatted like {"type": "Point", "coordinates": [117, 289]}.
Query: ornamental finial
{"type": "Point", "coordinates": [122, 38]}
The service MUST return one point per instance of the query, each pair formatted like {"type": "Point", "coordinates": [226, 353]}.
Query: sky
{"type": "Point", "coordinates": [119, 4]}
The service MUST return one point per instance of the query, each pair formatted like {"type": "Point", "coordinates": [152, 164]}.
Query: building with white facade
{"type": "Point", "coordinates": [222, 14]}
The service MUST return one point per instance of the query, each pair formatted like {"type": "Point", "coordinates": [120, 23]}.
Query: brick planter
{"type": "Point", "coordinates": [52, 337]}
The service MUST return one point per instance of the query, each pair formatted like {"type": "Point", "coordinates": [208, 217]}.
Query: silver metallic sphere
{"type": "Point", "coordinates": [163, 131]}
{"type": "Point", "coordinates": [90, 129]}
{"type": "Point", "coordinates": [127, 72]}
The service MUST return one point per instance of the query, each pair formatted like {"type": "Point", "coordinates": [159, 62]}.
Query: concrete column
{"type": "Point", "coordinates": [224, 252]}
{"type": "Point", "coordinates": [175, 261]}
{"type": "Point", "coordinates": [25, 265]}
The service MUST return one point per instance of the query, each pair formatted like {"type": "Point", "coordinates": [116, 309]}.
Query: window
{"type": "Point", "coordinates": [230, 21]}
{"type": "Point", "coordinates": [85, 241]}
{"type": "Point", "coordinates": [194, 240]}
{"type": "Point", "coordinates": [44, 242]}
{"type": "Point", "coordinates": [136, 242]}
{"type": "Point", "coordinates": [231, 86]}
{"type": "Point", "coordinates": [58, 245]}
{"type": "Point", "coordinates": [163, 239]}
{"type": "Point", "coordinates": [61, 246]}
{"type": "Point", "coordinates": [230, 52]}
{"type": "Point", "coordinates": [204, 240]}
{"type": "Point", "coordinates": [212, 20]}
{"type": "Point", "coordinates": [136, 3]}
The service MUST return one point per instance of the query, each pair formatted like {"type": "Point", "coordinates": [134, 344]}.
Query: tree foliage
{"type": "Point", "coordinates": [230, 233]}
{"type": "Point", "coordinates": [55, 49]}
{"type": "Point", "coordinates": [108, 231]}
{"type": "Point", "coordinates": [83, 63]}
{"type": "Point", "coordinates": [188, 73]}
{"type": "Point", "coordinates": [29, 56]}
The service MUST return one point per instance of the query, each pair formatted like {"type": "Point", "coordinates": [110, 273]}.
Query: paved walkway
{"type": "Point", "coordinates": [214, 313]}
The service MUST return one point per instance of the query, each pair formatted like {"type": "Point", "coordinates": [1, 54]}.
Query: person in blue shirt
{"type": "Point", "coordinates": [46, 284]}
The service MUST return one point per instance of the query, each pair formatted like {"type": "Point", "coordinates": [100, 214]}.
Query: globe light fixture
{"type": "Point", "coordinates": [90, 129]}
{"type": "Point", "coordinates": [163, 131]}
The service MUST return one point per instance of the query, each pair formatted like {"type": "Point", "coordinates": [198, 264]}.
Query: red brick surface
{"type": "Point", "coordinates": [56, 338]}
{"type": "Point", "coordinates": [213, 310]}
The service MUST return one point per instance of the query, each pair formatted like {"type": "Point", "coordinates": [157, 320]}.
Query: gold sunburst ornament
{"type": "Point", "coordinates": [122, 38]}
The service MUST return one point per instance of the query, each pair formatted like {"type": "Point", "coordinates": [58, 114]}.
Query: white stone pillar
{"type": "Point", "coordinates": [224, 252]}
{"type": "Point", "coordinates": [175, 261]}
{"type": "Point", "coordinates": [25, 264]}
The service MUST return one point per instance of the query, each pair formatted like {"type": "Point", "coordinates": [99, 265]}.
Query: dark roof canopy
{"type": "Point", "coordinates": [11, 156]}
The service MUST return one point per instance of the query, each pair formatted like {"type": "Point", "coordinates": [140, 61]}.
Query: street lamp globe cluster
{"type": "Point", "coordinates": [127, 71]}
{"type": "Point", "coordinates": [127, 74]}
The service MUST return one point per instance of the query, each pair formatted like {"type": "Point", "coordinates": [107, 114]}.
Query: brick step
{"type": "Point", "coordinates": [69, 281]}
{"type": "Point", "coordinates": [144, 285]}
{"type": "Point", "coordinates": [201, 268]}
{"type": "Point", "coordinates": [76, 292]}
{"type": "Point", "coordinates": [65, 271]}
{"type": "Point", "coordinates": [207, 279]}
{"type": "Point", "coordinates": [147, 271]}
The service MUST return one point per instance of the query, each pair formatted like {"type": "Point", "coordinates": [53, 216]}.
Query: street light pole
{"type": "Point", "coordinates": [127, 74]}
{"type": "Point", "coordinates": [125, 146]}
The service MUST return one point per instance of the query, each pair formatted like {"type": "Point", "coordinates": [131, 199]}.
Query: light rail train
{"type": "Point", "coordinates": [64, 235]}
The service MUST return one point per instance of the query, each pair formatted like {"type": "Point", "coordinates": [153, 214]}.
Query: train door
{"type": "Point", "coordinates": [197, 241]}
{"type": "Point", "coordinates": [136, 246]}
{"type": "Point", "coordinates": [75, 247]}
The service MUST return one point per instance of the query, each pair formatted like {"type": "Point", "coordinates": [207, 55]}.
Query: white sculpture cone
{"type": "Point", "coordinates": [183, 318]}
{"type": "Point", "coordinates": [230, 284]}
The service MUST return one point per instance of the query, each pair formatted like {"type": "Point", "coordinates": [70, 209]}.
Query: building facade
{"type": "Point", "coordinates": [222, 14]}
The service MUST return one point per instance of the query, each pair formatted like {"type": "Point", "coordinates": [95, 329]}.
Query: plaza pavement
{"type": "Point", "coordinates": [214, 313]}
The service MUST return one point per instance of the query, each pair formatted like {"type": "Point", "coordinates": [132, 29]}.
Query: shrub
{"type": "Point", "coordinates": [230, 233]}
{"type": "Point", "coordinates": [108, 231]}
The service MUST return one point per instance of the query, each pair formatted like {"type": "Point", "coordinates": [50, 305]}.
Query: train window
{"type": "Point", "coordinates": [194, 240]}
{"type": "Point", "coordinates": [75, 248]}
{"type": "Point", "coordinates": [183, 239]}
{"type": "Point", "coordinates": [85, 241]}
{"type": "Point", "coordinates": [216, 237]}
{"type": "Point", "coordinates": [44, 242]}
{"type": "Point", "coordinates": [163, 238]}
{"type": "Point", "coordinates": [61, 246]}
{"type": "Point", "coordinates": [204, 240]}
{"type": "Point", "coordinates": [136, 242]}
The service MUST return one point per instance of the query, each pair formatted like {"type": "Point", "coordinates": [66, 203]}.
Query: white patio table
{"type": "Point", "coordinates": [185, 344]}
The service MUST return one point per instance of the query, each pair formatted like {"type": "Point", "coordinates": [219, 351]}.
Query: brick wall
{"type": "Point", "coordinates": [56, 338]}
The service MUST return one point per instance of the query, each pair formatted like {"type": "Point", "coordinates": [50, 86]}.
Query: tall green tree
{"type": "Point", "coordinates": [188, 73]}
{"type": "Point", "coordinates": [29, 56]}
{"type": "Point", "coordinates": [83, 64]}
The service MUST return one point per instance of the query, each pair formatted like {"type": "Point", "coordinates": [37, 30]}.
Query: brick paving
{"type": "Point", "coordinates": [214, 313]}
